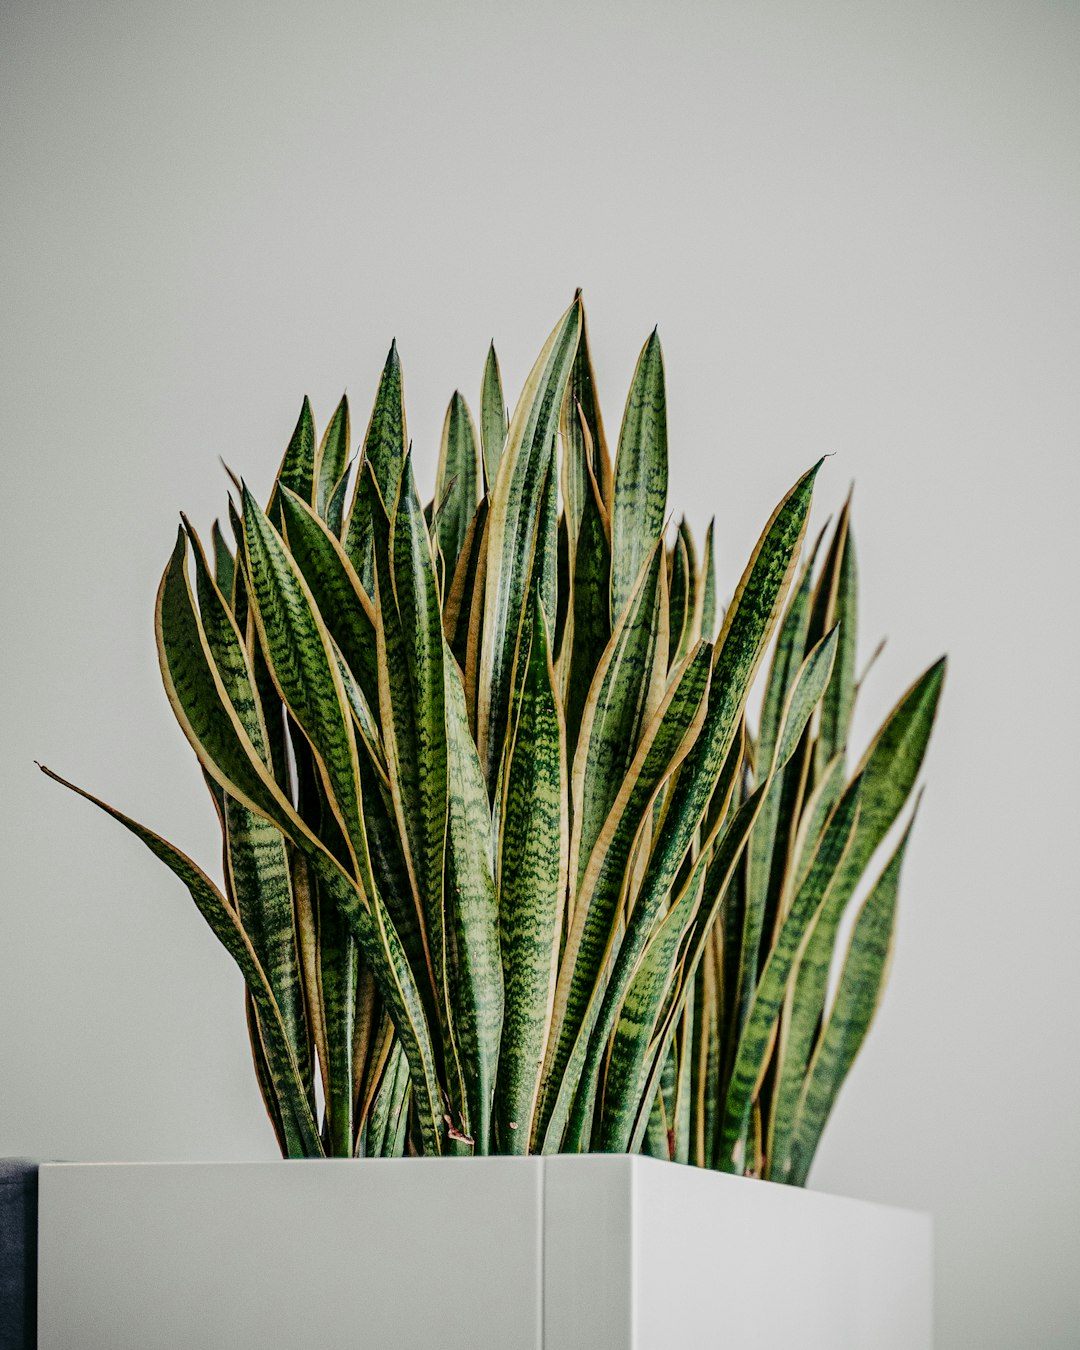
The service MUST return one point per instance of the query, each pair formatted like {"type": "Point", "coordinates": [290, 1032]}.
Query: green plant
{"type": "Point", "coordinates": [504, 870]}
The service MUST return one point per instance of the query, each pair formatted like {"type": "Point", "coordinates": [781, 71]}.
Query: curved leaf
{"type": "Point", "coordinates": [858, 994]}
{"type": "Point", "coordinates": [343, 605]}
{"type": "Point", "coordinates": [887, 775]}
{"type": "Point", "coordinates": [226, 926]}
{"type": "Point", "coordinates": [299, 653]}
{"type": "Point", "coordinates": [755, 1039]}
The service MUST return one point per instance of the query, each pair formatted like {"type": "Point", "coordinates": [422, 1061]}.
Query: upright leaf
{"type": "Point", "coordinates": [337, 976]}
{"type": "Point", "coordinates": [747, 628]}
{"type": "Point", "coordinates": [457, 482]}
{"type": "Point", "coordinates": [224, 563]}
{"type": "Point", "coordinates": [512, 529]}
{"type": "Point", "coordinates": [809, 679]}
{"type": "Point", "coordinates": [332, 457]}
{"type": "Point", "coordinates": [298, 464]}
{"type": "Point", "coordinates": [641, 1009]}
{"type": "Point", "coordinates": [683, 602]}
{"type": "Point", "coordinates": [532, 869]}
{"type": "Point", "coordinates": [464, 597]}
{"type": "Point", "coordinates": [590, 626]}
{"type": "Point", "coordinates": [839, 701]}
{"type": "Point", "coordinates": [706, 589]}
{"type": "Point", "coordinates": [614, 714]}
{"type": "Point", "coordinates": [476, 977]}
{"type": "Point", "coordinates": [591, 941]}
{"type": "Point", "coordinates": [641, 474]}
{"type": "Point", "coordinates": [585, 452]}
{"type": "Point", "coordinates": [385, 443]}
{"type": "Point", "coordinates": [492, 417]}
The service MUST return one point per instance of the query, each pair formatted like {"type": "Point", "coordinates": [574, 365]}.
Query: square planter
{"type": "Point", "coordinates": [590, 1252]}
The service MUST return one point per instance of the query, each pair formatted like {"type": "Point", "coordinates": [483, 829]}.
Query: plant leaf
{"type": "Point", "coordinates": [512, 530]}
{"type": "Point", "coordinates": [344, 607]}
{"type": "Point", "coordinates": [748, 626]}
{"type": "Point", "coordinates": [298, 464]}
{"type": "Point", "coordinates": [216, 734]}
{"type": "Point", "coordinates": [683, 601]}
{"type": "Point", "coordinates": [337, 975]}
{"type": "Point", "coordinates": [805, 688]}
{"type": "Point", "coordinates": [256, 859]}
{"type": "Point", "coordinates": [224, 563]}
{"type": "Point", "coordinates": [492, 417]}
{"type": "Point", "coordinates": [476, 974]}
{"type": "Point", "coordinates": [590, 626]}
{"type": "Point", "coordinates": [839, 702]}
{"type": "Point", "coordinates": [714, 868]}
{"type": "Point", "coordinates": [614, 714]}
{"type": "Point", "coordinates": [857, 997]}
{"type": "Point", "coordinates": [532, 869]}
{"type": "Point", "coordinates": [457, 483]}
{"type": "Point", "coordinates": [641, 474]}
{"type": "Point", "coordinates": [225, 924]}
{"type": "Point", "coordinates": [585, 452]}
{"type": "Point", "coordinates": [887, 774]}
{"type": "Point", "coordinates": [645, 998]}
{"type": "Point", "coordinates": [592, 933]}
{"type": "Point", "coordinates": [755, 1038]}
{"type": "Point", "coordinates": [385, 444]}
{"type": "Point", "coordinates": [299, 653]}
{"type": "Point", "coordinates": [706, 589]}
{"type": "Point", "coordinates": [332, 457]}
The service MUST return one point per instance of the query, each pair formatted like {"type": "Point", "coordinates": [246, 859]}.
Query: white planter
{"type": "Point", "coordinates": [567, 1253]}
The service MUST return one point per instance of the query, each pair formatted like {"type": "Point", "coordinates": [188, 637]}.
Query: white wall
{"type": "Point", "coordinates": [856, 227]}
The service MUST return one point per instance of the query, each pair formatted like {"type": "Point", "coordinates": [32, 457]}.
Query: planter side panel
{"type": "Point", "coordinates": [291, 1256]}
{"type": "Point", "coordinates": [588, 1269]}
{"type": "Point", "coordinates": [728, 1261]}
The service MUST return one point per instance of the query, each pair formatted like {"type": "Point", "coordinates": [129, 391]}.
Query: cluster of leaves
{"type": "Point", "coordinates": [504, 870]}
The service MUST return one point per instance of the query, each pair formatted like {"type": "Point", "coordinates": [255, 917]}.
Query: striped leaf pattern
{"type": "Point", "coordinates": [641, 473]}
{"type": "Point", "coordinates": [457, 482]}
{"type": "Point", "coordinates": [511, 864]}
{"type": "Point", "coordinates": [532, 871]}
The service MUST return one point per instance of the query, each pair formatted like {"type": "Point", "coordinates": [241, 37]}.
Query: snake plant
{"type": "Point", "coordinates": [506, 867]}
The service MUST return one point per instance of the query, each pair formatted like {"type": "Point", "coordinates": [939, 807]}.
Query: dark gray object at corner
{"type": "Point", "coordinates": [18, 1254]}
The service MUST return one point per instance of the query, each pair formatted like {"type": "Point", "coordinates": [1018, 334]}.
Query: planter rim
{"type": "Point", "coordinates": [707, 1175]}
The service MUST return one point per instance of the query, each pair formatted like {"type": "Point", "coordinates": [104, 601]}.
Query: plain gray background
{"type": "Point", "coordinates": [856, 225]}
